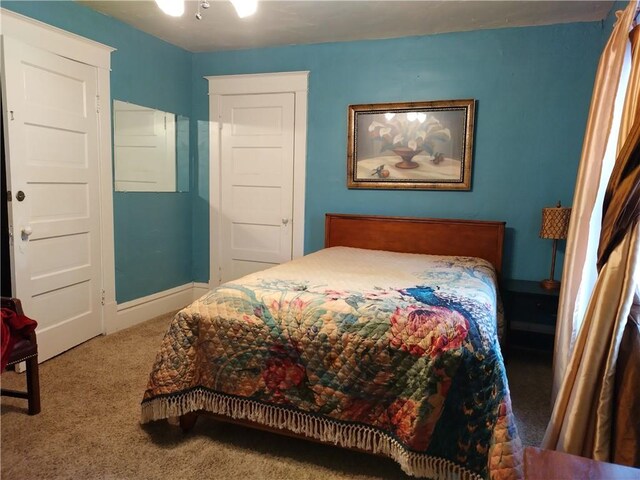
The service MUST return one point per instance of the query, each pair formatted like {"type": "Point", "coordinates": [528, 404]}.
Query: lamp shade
{"type": "Point", "coordinates": [555, 222]}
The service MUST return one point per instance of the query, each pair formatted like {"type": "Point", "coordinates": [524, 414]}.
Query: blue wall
{"type": "Point", "coordinates": [611, 18]}
{"type": "Point", "coordinates": [152, 230]}
{"type": "Point", "coordinates": [533, 87]}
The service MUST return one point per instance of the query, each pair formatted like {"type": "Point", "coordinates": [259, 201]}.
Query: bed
{"type": "Point", "coordinates": [386, 341]}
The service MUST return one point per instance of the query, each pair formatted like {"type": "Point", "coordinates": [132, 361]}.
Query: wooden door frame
{"type": "Point", "coordinates": [279, 82]}
{"type": "Point", "coordinates": [80, 49]}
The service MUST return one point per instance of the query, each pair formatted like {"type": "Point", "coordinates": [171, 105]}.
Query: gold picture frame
{"type": "Point", "coordinates": [411, 145]}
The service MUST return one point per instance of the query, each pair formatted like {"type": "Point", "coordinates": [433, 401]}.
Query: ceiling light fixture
{"type": "Point", "coordinates": [245, 8]}
{"type": "Point", "coordinates": [204, 4]}
{"type": "Point", "coordinates": [175, 8]}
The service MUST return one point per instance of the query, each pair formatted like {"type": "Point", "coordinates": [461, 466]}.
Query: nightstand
{"type": "Point", "coordinates": [530, 314]}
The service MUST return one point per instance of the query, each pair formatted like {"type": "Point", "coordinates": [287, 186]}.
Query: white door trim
{"type": "Point", "coordinates": [74, 47]}
{"type": "Point", "coordinates": [55, 40]}
{"type": "Point", "coordinates": [281, 82]}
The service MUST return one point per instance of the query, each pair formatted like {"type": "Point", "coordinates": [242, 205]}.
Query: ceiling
{"type": "Point", "coordinates": [317, 21]}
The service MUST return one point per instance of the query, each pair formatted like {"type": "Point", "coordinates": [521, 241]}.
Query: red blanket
{"type": "Point", "coordinates": [14, 327]}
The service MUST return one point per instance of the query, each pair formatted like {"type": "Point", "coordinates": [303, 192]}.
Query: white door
{"type": "Point", "coordinates": [256, 202]}
{"type": "Point", "coordinates": [144, 141]}
{"type": "Point", "coordinates": [52, 172]}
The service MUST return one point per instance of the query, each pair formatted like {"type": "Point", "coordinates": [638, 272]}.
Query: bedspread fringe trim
{"type": "Point", "coordinates": [320, 428]}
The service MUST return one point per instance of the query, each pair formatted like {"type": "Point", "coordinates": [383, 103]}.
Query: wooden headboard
{"type": "Point", "coordinates": [435, 236]}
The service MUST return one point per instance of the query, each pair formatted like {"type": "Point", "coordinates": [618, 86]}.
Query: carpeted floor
{"type": "Point", "coordinates": [530, 378]}
{"type": "Point", "coordinates": [89, 426]}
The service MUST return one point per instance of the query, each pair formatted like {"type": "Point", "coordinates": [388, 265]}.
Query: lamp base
{"type": "Point", "coordinates": [550, 284]}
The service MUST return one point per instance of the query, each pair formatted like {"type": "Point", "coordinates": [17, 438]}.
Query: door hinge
{"type": "Point", "coordinates": [97, 103]}
{"type": "Point", "coordinates": [9, 197]}
{"type": "Point", "coordinates": [102, 297]}
{"type": "Point", "coordinates": [165, 122]}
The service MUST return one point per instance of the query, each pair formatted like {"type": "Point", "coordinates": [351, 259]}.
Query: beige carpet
{"type": "Point", "coordinates": [89, 426]}
{"type": "Point", "coordinates": [530, 378]}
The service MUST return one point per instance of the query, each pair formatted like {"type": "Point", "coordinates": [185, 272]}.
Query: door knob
{"type": "Point", "coordinates": [285, 221]}
{"type": "Point", "coordinates": [26, 231]}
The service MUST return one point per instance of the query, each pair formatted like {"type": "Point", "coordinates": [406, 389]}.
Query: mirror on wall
{"type": "Point", "coordinates": [151, 149]}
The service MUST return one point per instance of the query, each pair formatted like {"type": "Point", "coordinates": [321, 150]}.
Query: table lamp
{"type": "Point", "coordinates": [555, 225]}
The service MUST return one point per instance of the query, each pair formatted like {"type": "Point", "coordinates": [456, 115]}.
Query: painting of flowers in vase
{"type": "Point", "coordinates": [419, 145]}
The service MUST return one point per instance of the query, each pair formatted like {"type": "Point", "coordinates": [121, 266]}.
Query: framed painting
{"type": "Point", "coordinates": [417, 145]}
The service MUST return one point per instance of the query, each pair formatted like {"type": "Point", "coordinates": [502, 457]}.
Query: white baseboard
{"type": "Point", "coordinates": [199, 289]}
{"type": "Point", "coordinates": [145, 308]}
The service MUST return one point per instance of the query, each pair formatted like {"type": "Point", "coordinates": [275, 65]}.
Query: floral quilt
{"type": "Point", "coordinates": [397, 354]}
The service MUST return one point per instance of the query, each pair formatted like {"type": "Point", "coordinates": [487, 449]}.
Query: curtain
{"type": "Point", "coordinates": [621, 210]}
{"type": "Point", "coordinates": [579, 273]}
{"type": "Point", "coordinates": [591, 401]}
{"type": "Point", "coordinates": [582, 415]}
{"type": "Point", "coordinates": [622, 197]}
{"type": "Point", "coordinates": [632, 96]}
{"type": "Point", "coordinates": [625, 446]}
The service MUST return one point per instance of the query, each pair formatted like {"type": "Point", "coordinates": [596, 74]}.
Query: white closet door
{"type": "Point", "coordinates": [256, 182]}
{"type": "Point", "coordinates": [53, 175]}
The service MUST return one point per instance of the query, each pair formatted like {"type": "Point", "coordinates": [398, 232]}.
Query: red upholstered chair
{"type": "Point", "coordinates": [25, 350]}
